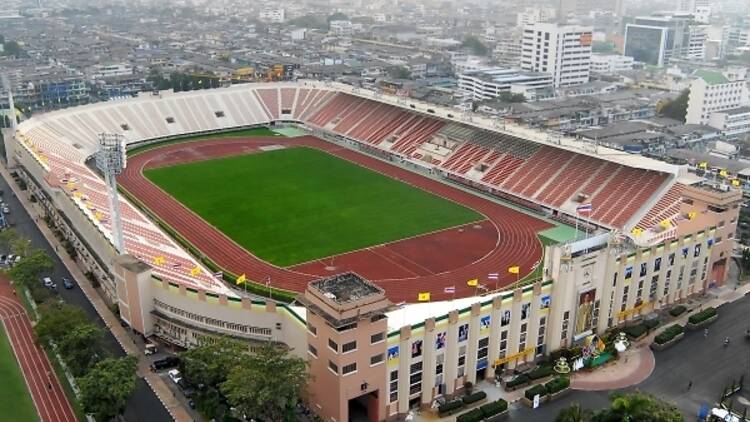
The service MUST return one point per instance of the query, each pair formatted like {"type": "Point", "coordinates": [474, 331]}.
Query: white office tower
{"type": "Point", "coordinates": [563, 51]}
{"type": "Point", "coordinates": [712, 91]}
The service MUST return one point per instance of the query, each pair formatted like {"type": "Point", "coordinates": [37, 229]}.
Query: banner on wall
{"type": "Point", "coordinates": [392, 356]}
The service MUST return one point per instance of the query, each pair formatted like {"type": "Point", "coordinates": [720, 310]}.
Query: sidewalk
{"type": "Point", "coordinates": [162, 391]}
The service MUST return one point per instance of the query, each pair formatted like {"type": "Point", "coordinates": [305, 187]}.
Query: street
{"type": "Point", "coordinates": [143, 405]}
{"type": "Point", "coordinates": [704, 361]}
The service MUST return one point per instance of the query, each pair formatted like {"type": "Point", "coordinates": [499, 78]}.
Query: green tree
{"type": "Point", "coordinates": [106, 388]}
{"type": "Point", "coordinates": [676, 108]}
{"type": "Point", "coordinates": [21, 246]}
{"type": "Point", "coordinates": [511, 98]}
{"type": "Point", "coordinates": [57, 320]}
{"type": "Point", "coordinates": [311, 22]}
{"type": "Point", "coordinates": [638, 407]}
{"type": "Point", "coordinates": [603, 47]}
{"type": "Point", "coordinates": [477, 47]}
{"type": "Point", "coordinates": [28, 270]}
{"type": "Point", "coordinates": [7, 237]}
{"type": "Point", "coordinates": [745, 258]}
{"type": "Point", "coordinates": [81, 348]}
{"type": "Point", "coordinates": [399, 72]}
{"type": "Point", "coordinates": [573, 413]}
{"type": "Point", "coordinates": [267, 385]}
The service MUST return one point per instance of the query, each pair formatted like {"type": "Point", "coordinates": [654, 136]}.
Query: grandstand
{"type": "Point", "coordinates": [557, 176]}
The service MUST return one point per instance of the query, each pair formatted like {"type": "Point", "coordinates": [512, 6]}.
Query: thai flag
{"type": "Point", "coordinates": [449, 289]}
{"type": "Point", "coordinates": [219, 275]}
{"type": "Point", "coordinates": [584, 208]}
{"type": "Point", "coordinates": [400, 305]}
{"type": "Point", "coordinates": [493, 276]}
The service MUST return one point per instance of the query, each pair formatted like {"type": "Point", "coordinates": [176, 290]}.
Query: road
{"type": "Point", "coordinates": [704, 361]}
{"type": "Point", "coordinates": [143, 405]}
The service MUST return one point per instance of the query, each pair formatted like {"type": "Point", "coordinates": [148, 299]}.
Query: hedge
{"type": "Point", "coordinates": [557, 384]}
{"type": "Point", "coordinates": [519, 380]}
{"type": "Point", "coordinates": [474, 397]}
{"type": "Point", "coordinates": [533, 391]}
{"type": "Point", "coordinates": [669, 333]}
{"type": "Point", "coordinates": [474, 415]}
{"type": "Point", "coordinates": [677, 310]}
{"type": "Point", "coordinates": [450, 406]}
{"type": "Point", "coordinates": [635, 331]}
{"type": "Point", "coordinates": [493, 408]}
{"type": "Point", "coordinates": [702, 315]}
{"type": "Point", "coordinates": [651, 323]}
{"type": "Point", "coordinates": [540, 372]}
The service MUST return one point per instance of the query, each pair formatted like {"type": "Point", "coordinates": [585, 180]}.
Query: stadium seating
{"type": "Point", "coordinates": [529, 172]}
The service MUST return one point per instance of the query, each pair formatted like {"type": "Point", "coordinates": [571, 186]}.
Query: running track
{"type": "Point", "coordinates": [51, 403]}
{"type": "Point", "coordinates": [517, 241]}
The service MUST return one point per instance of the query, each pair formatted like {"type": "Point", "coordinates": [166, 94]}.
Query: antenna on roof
{"type": "Point", "coordinates": [11, 105]}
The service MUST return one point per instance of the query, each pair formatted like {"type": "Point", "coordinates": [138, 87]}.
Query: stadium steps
{"type": "Point", "coordinates": [529, 169]}
{"type": "Point", "coordinates": [549, 173]}
{"type": "Point", "coordinates": [634, 200]}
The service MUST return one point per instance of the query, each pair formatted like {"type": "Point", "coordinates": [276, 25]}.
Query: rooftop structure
{"type": "Point", "coordinates": [345, 288]}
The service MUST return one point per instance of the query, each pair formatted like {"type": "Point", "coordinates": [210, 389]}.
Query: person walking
{"type": "Point", "coordinates": [690, 385]}
{"type": "Point", "coordinates": [705, 333]}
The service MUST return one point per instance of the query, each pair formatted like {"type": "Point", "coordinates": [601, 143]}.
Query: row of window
{"type": "Point", "coordinates": [241, 328]}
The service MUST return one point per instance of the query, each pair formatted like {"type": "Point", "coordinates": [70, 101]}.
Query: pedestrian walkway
{"type": "Point", "coordinates": [46, 392]}
{"type": "Point", "coordinates": [162, 391]}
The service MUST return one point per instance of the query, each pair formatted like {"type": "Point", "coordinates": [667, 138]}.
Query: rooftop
{"type": "Point", "coordinates": [711, 77]}
{"type": "Point", "coordinates": [346, 287]}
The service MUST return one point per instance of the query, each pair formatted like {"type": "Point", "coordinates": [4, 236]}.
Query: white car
{"type": "Point", "coordinates": [48, 283]}
{"type": "Point", "coordinates": [6, 210]}
{"type": "Point", "coordinates": [174, 375]}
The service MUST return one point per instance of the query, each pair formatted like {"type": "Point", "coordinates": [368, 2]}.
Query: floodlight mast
{"type": "Point", "coordinates": [11, 105]}
{"type": "Point", "coordinates": [110, 160]}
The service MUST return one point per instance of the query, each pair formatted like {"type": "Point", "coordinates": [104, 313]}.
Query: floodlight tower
{"type": "Point", "coordinates": [110, 159]}
{"type": "Point", "coordinates": [11, 105]}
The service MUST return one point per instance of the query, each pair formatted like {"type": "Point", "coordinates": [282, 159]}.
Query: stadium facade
{"type": "Point", "coordinates": [662, 235]}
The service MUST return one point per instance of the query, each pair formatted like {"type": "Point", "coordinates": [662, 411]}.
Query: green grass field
{"type": "Point", "coordinates": [15, 401]}
{"type": "Point", "coordinates": [294, 205]}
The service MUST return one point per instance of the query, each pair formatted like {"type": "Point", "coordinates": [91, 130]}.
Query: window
{"type": "Point", "coordinates": [628, 272]}
{"type": "Point", "coordinates": [348, 369]}
{"type": "Point", "coordinates": [347, 327]}
{"type": "Point", "coordinates": [377, 338]}
{"type": "Point", "coordinates": [312, 350]}
{"type": "Point", "coordinates": [170, 120]}
{"type": "Point", "coordinates": [376, 359]}
{"type": "Point", "coordinates": [219, 113]}
{"type": "Point", "coordinates": [333, 367]}
{"type": "Point", "coordinates": [312, 329]}
{"type": "Point", "coordinates": [349, 347]}
{"type": "Point", "coordinates": [671, 259]}
{"type": "Point", "coordinates": [644, 269]}
{"type": "Point", "coordinates": [657, 264]}
{"type": "Point", "coordinates": [333, 346]}
{"type": "Point", "coordinates": [125, 127]}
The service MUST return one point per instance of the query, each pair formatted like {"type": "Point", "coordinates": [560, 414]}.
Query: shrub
{"type": "Point", "coordinates": [474, 415]}
{"type": "Point", "coordinates": [519, 380]}
{"type": "Point", "coordinates": [635, 331]}
{"type": "Point", "coordinates": [669, 333]}
{"type": "Point", "coordinates": [651, 323]}
{"type": "Point", "coordinates": [474, 397]}
{"type": "Point", "coordinates": [493, 408]}
{"type": "Point", "coordinates": [557, 384]}
{"type": "Point", "coordinates": [540, 372]}
{"type": "Point", "coordinates": [533, 391]}
{"type": "Point", "coordinates": [702, 315]}
{"type": "Point", "coordinates": [677, 310]}
{"type": "Point", "coordinates": [450, 406]}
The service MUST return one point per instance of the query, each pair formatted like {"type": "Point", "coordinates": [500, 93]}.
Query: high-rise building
{"type": "Point", "coordinates": [656, 39]}
{"type": "Point", "coordinates": [564, 51]}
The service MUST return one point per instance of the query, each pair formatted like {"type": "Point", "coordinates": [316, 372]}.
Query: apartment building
{"type": "Point", "coordinates": [563, 51]}
{"type": "Point", "coordinates": [712, 91]}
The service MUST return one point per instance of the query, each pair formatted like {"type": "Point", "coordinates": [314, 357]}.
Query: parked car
{"type": "Point", "coordinates": [167, 362]}
{"type": "Point", "coordinates": [67, 283]}
{"type": "Point", "coordinates": [17, 259]}
{"type": "Point", "coordinates": [48, 283]}
{"type": "Point", "coordinates": [6, 209]}
{"type": "Point", "coordinates": [150, 349]}
{"type": "Point", "coordinates": [175, 376]}
{"type": "Point", "coordinates": [9, 259]}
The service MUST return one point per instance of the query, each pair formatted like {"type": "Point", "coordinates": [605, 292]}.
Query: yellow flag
{"type": "Point", "coordinates": [473, 282]}
{"type": "Point", "coordinates": [159, 260]}
{"type": "Point", "coordinates": [735, 182]}
{"type": "Point", "coordinates": [424, 297]}
{"type": "Point", "coordinates": [692, 215]}
{"type": "Point", "coordinates": [98, 215]}
{"type": "Point", "coordinates": [195, 271]}
{"type": "Point", "coordinates": [70, 185]}
{"type": "Point", "coordinates": [702, 165]}
{"type": "Point", "coordinates": [636, 231]}
{"type": "Point", "coordinates": [666, 224]}
{"type": "Point", "coordinates": [723, 173]}
{"type": "Point", "coordinates": [241, 279]}
{"type": "Point", "coordinates": [514, 269]}
{"type": "Point", "coordinates": [77, 194]}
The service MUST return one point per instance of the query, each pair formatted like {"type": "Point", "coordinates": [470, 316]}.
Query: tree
{"type": "Point", "coordinates": [677, 108]}
{"type": "Point", "coordinates": [105, 389]}
{"type": "Point", "coordinates": [399, 72]}
{"type": "Point", "coordinates": [58, 319]}
{"type": "Point", "coordinates": [573, 413]}
{"type": "Point", "coordinates": [511, 98]}
{"type": "Point", "coordinates": [338, 16]}
{"type": "Point", "coordinates": [206, 367]}
{"type": "Point", "coordinates": [7, 237]}
{"type": "Point", "coordinates": [21, 246]}
{"type": "Point", "coordinates": [603, 47]}
{"type": "Point", "coordinates": [267, 385]}
{"type": "Point", "coordinates": [82, 348]}
{"type": "Point", "coordinates": [28, 270]}
{"type": "Point", "coordinates": [477, 47]}
{"type": "Point", "coordinates": [638, 407]}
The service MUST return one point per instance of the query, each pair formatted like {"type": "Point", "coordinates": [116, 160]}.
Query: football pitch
{"type": "Point", "coordinates": [295, 205]}
{"type": "Point", "coordinates": [15, 401]}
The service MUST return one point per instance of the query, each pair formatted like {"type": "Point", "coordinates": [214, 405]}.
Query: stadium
{"type": "Point", "coordinates": [293, 212]}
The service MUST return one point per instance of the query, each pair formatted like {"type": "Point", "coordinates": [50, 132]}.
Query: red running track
{"type": "Point", "coordinates": [516, 241]}
{"type": "Point", "coordinates": [46, 391]}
